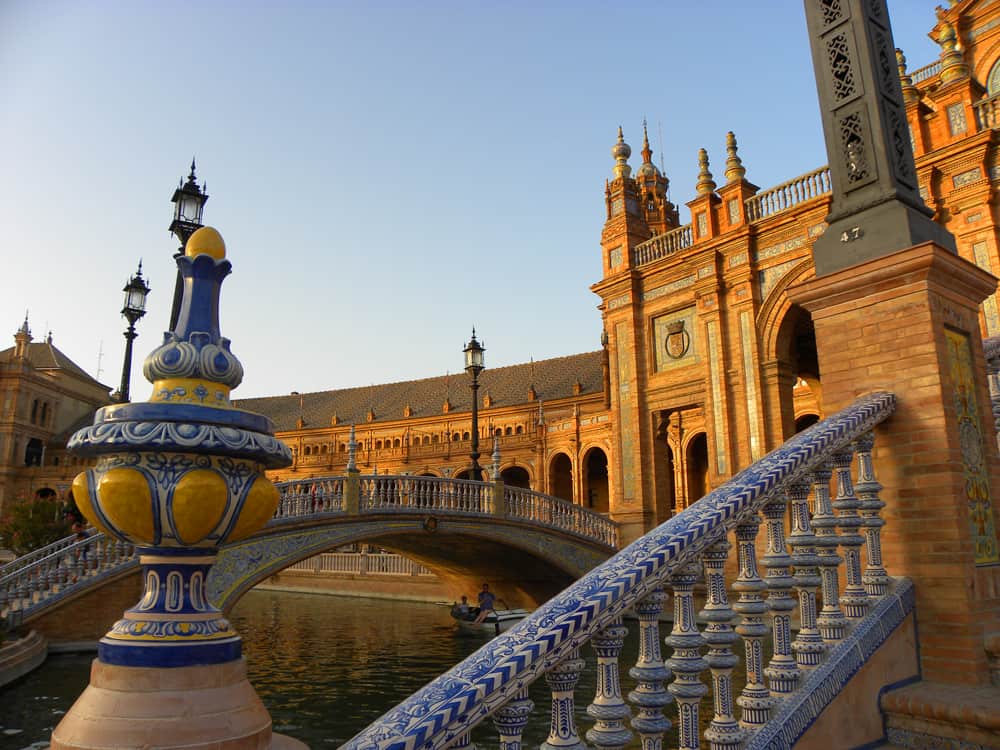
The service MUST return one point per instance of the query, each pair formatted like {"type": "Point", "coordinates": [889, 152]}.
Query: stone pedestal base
{"type": "Point", "coordinates": [211, 706]}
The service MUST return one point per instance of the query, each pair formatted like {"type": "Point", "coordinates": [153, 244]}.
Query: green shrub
{"type": "Point", "coordinates": [31, 524]}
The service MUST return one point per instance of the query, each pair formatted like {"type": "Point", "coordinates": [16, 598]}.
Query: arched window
{"type": "Point", "coordinates": [34, 411]}
{"type": "Point", "coordinates": [434, 439]}
{"type": "Point", "coordinates": [519, 430]}
{"type": "Point", "coordinates": [507, 431]}
{"type": "Point", "coordinates": [397, 443]}
{"type": "Point", "coordinates": [465, 436]}
{"type": "Point", "coordinates": [456, 437]}
{"type": "Point", "coordinates": [378, 445]}
{"type": "Point", "coordinates": [45, 414]}
{"type": "Point", "coordinates": [993, 81]}
{"type": "Point", "coordinates": [498, 432]}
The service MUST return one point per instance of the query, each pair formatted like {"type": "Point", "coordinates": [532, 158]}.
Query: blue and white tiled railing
{"type": "Point", "coordinates": [788, 680]}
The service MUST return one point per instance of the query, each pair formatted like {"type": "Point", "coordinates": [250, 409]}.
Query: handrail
{"type": "Point", "coordinates": [494, 679]}
{"type": "Point", "coordinates": [528, 505]}
{"type": "Point", "coordinates": [788, 194]}
{"type": "Point", "coordinates": [987, 113]}
{"type": "Point", "coordinates": [38, 554]}
{"type": "Point", "coordinates": [922, 74]}
{"type": "Point", "coordinates": [662, 245]}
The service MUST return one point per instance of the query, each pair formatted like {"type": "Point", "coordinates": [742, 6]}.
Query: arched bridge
{"type": "Point", "coordinates": [530, 544]}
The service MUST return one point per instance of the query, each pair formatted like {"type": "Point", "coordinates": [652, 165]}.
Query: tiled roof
{"type": "Point", "coordinates": [44, 355]}
{"type": "Point", "coordinates": [506, 386]}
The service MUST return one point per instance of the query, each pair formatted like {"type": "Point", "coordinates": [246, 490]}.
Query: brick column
{"type": "Point", "coordinates": [908, 322]}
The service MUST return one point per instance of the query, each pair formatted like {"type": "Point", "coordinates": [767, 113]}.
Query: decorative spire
{"type": "Point", "coordinates": [953, 64]}
{"type": "Point", "coordinates": [647, 152]}
{"type": "Point", "coordinates": [22, 338]}
{"type": "Point", "coordinates": [495, 466]}
{"type": "Point", "coordinates": [621, 151]}
{"type": "Point", "coordinates": [910, 93]}
{"type": "Point", "coordinates": [352, 452]}
{"type": "Point", "coordinates": [705, 184]}
{"type": "Point", "coordinates": [735, 170]}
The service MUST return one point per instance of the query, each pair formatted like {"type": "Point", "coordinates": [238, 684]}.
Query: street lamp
{"type": "Point", "coordinates": [134, 308]}
{"type": "Point", "coordinates": [474, 365]}
{"type": "Point", "coordinates": [189, 203]}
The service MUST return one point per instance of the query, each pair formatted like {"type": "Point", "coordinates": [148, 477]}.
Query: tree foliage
{"type": "Point", "coordinates": [34, 523]}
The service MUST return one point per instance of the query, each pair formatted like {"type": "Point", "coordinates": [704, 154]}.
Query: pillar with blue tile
{"type": "Point", "coordinates": [177, 476]}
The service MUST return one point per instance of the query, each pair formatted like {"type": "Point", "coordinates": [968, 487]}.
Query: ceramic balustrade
{"type": "Point", "coordinates": [528, 505]}
{"type": "Point", "coordinates": [70, 568]}
{"type": "Point", "coordinates": [928, 71]}
{"type": "Point", "coordinates": [788, 194]}
{"type": "Point", "coordinates": [662, 245]}
{"type": "Point", "coordinates": [781, 695]}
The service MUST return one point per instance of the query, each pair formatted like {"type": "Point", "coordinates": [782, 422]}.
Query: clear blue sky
{"type": "Point", "coordinates": [385, 174]}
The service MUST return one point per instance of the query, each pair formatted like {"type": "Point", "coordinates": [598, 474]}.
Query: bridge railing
{"type": "Point", "coordinates": [308, 497]}
{"type": "Point", "coordinates": [528, 505]}
{"type": "Point", "coordinates": [63, 571]}
{"type": "Point", "coordinates": [362, 564]}
{"type": "Point", "coordinates": [408, 493]}
{"type": "Point", "coordinates": [38, 554]}
{"type": "Point", "coordinates": [788, 682]}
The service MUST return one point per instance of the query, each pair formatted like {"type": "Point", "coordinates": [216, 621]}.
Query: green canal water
{"type": "Point", "coordinates": [325, 667]}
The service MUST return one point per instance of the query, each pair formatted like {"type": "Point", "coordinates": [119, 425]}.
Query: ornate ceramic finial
{"type": "Point", "coordinates": [647, 152]}
{"type": "Point", "coordinates": [352, 452]}
{"type": "Point", "coordinates": [910, 93]}
{"type": "Point", "coordinates": [24, 326]}
{"type": "Point", "coordinates": [953, 64]}
{"type": "Point", "coordinates": [705, 184]}
{"type": "Point", "coordinates": [621, 151]}
{"type": "Point", "coordinates": [181, 473]}
{"type": "Point", "coordinates": [194, 363]}
{"type": "Point", "coordinates": [735, 170]}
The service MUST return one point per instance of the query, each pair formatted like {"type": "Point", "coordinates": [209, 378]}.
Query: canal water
{"type": "Point", "coordinates": [325, 667]}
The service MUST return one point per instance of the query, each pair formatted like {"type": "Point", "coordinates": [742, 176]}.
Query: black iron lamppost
{"type": "Point", "coordinates": [189, 203]}
{"type": "Point", "coordinates": [136, 291]}
{"type": "Point", "coordinates": [474, 365]}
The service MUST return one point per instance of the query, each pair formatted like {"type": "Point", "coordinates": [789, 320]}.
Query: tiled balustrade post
{"type": "Point", "coordinates": [511, 719]}
{"type": "Point", "coordinates": [686, 662]}
{"type": "Point", "coordinates": [724, 733]}
{"type": "Point", "coordinates": [755, 700]}
{"type": "Point", "coordinates": [808, 644]}
{"type": "Point", "coordinates": [831, 620]}
{"type": "Point", "coordinates": [650, 696]}
{"type": "Point", "coordinates": [875, 578]}
{"type": "Point", "coordinates": [608, 708]}
{"type": "Point", "coordinates": [782, 672]}
{"type": "Point", "coordinates": [562, 679]}
{"type": "Point", "coordinates": [849, 521]}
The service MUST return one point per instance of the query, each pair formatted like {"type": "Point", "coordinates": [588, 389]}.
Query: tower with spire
{"type": "Point", "coordinates": [626, 225]}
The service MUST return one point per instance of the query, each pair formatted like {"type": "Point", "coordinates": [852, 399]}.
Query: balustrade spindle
{"type": "Point", "coordinates": [782, 672]}
{"type": "Point", "coordinates": [511, 719]}
{"type": "Point", "coordinates": [686, 661]}
{"type": "Point", "coordinates": [755, 700]}
{"type": "Point", "coordinates": [650, 673]}
{"type": "Point", "coordinates": [808, 645]}
{"type": "Point", "coordinates": [463, 742]}
{"type": "Point", "coordinates": [562, 679]}
{"type": "Point", "coordinates": [724, 733]}
{"type": "Point", "coordinates": [831, 620]}
{"type": "Point", "coordinates": [875, 578]}
{"type": "Point", "coordinates": [609, 709]}
{"type": "Point", "coordinates": [854, 600]}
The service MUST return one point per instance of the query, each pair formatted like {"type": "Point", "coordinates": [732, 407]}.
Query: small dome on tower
{"type": "Point", "coordinates": [621, 150]}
